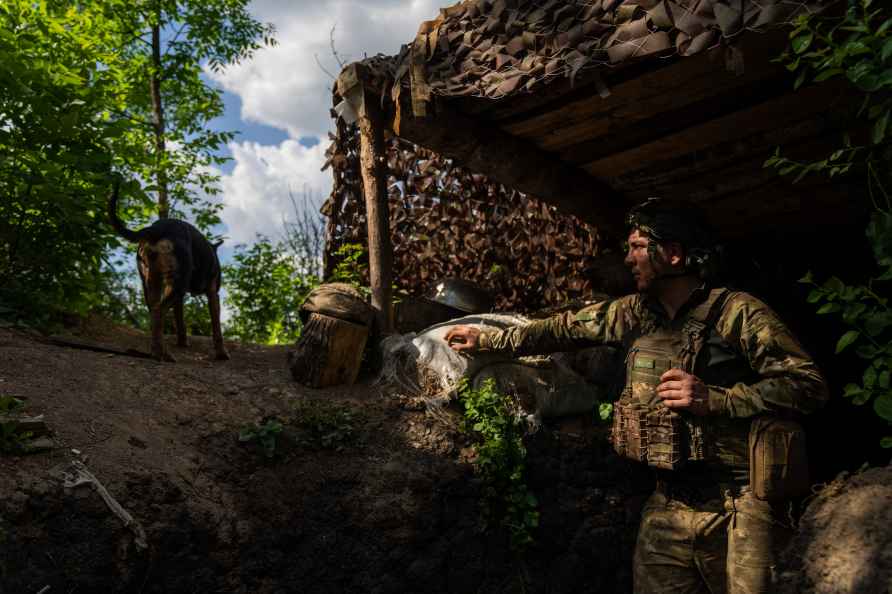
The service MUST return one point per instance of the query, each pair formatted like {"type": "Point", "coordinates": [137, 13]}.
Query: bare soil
{"type": "Point", "coordinates": [391, 506]}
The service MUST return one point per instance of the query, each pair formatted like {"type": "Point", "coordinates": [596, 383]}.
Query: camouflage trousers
{"type": "Point", "coordinates": [724, 545]}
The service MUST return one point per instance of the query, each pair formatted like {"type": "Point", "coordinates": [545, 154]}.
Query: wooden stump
{"type": "Point", "coordinates": [329, 352]}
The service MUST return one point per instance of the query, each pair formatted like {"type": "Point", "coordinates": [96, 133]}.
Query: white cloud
{"type": "Point", "coordinates": [284, 87]}
{"type": "Point", "coordinates": [257, 191]}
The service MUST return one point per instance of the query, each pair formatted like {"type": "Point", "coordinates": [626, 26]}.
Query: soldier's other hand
{"type": "Point", "coordinates": [462, 338]}
{"type": "Point", "coordinates": [680, 390]}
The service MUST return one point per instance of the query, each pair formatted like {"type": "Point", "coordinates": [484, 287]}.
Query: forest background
{"type": "Point", "coordinates": [208, 114]}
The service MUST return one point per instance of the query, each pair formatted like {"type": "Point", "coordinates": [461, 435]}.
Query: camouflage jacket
{"type": "Point", "coordinates": [783, 377]}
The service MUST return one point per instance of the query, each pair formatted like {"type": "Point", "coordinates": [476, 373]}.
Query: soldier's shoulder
{"type": "Point", "coordinates": [746, 306]}
{"type": "Point", "coordinates": [599, 309]}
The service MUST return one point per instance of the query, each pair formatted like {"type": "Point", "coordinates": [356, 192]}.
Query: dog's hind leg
{"type": "Point", "coordinates": [214, 307]}
{"type": "Point", "coordinates": [182, 338]}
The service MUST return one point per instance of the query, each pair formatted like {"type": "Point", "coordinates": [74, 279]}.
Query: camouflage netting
{"type": "Point", "coordinates": [447, 222]}
{"type": "Point", "coordinates": [498, 48]}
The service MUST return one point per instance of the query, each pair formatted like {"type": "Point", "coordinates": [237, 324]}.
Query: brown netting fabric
{"type": "Point", "coordinates": [448, 222]}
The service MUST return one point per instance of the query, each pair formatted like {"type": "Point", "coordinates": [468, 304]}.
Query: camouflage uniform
{"type": "Point", "coordinates": [702, 530]}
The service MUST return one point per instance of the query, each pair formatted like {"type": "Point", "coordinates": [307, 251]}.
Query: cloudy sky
{"type": "Point", "coordinates": [279, 101]}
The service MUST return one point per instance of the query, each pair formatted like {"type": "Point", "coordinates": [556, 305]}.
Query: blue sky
{"type": "Point", "coordinates": [279, 103]}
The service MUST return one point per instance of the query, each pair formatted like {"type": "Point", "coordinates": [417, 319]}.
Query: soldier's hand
{"type": "Point", "coordinates": [463, 338]}
{"type": "Point", "coordinates": [680, 390]}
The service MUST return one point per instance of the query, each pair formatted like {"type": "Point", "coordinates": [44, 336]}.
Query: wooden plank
{"type": "Point", "coordinates": [675, 173]}
{"type": "Point", "coordinates": [679, 83]}
{"type": "Point", "coordinates": [373, 166]}
{"type": "Point", "coordinates": [800, 105]}
{"type": "Point", "coordinates": [740, 172]}
{"type": "Point", "coordinates": [483, 148]}
{"type": "Point", "coordinates": [779, 205]}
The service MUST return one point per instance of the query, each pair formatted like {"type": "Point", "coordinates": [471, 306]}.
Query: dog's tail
{"type": "Point", "coordinates": [113, 216]}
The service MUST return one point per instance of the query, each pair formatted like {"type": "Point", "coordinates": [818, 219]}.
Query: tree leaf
{"type": "Point", "coordinates": [883, 405]}
{"type": "Point", "coordinates": [886, 442]}
{"type": "Point", "coordinates": [879, 128]}
{"type": "Point", "coordinates": [829, 308]}
{"type": "Point", "coordinates": [852, 390]}
{"type": "Point", "coordinates": [847, 339]}
{"type": "Point", "coordinates": [802, 42]}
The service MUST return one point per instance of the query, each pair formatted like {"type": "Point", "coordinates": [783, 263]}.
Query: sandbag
{"type": "Point", "coordinates": [337, 300]}
{"type": "Point", "coordinates": [424, 365]}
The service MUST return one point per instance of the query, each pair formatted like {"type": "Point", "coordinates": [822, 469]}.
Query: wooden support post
{"type": "Point", "coordinates": [372, 158]}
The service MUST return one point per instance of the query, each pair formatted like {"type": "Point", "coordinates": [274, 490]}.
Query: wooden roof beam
{"type": "Point", "coordinates": [516, 163]}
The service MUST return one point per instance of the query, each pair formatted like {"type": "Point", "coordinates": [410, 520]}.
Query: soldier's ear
{"type": "Point", "coordinates": [674, 253]}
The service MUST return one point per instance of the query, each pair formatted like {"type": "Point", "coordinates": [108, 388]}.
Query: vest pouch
{"type": "Point", "coordinates": [630, 430]}
{"type": "Point", "coordinates": [666, 443]}
{"type": "Point", "coordinates": [778, 459]}
{"type": "Point", "coordinates": [646, 366]}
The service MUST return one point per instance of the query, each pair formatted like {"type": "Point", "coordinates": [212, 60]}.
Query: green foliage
{"type": "Point", "coordinates": [265, 288]}
{"type": "Point", "coordinates": [54, 157]}
{"type": "Point", "coordinates": [500, 461]}
{"type": "Point", "coordinates": [263, 434]}
{"type": "Point", "coordinates": [75, 104]}
{"type": "Point", "coordinates": [857, 46]}
{"type": "Point", "coordinates": [352, 267]}
{"type": "Point", "coordinates": [605, 411]}
{"type": "Point", "coordinates": [868, 317]}
{"type": "Point", "coordinates": [325, 425]}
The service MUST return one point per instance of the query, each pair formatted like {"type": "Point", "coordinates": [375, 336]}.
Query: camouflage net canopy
{"type": "Point", "coordinates": [447, 222]}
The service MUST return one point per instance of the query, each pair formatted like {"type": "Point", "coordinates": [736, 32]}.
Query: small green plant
{"type": "Point", "coordinates": [352, 267]}
{"type": "Point", "coordinates": [500, 461]}
{"type": "Point", "coordinates": [605, 411]}
{"type": "Point", "coordinates": [12, 440]}
{"type": "Point", "coordinates": [325, 425]}
{"type": "Point", "coordinates": [264, 435]}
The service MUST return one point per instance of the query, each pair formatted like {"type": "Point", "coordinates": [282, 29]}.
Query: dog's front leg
{"type": "Point", "coordinates": [214, 307]}
{"type": "Point", "coordinates": [159, 352]}
{"type": "Point", "coordinates": [182, 339]}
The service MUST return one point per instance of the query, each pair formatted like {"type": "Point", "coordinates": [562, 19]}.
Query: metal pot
{"type": "Point", "coordinates": [462, 295]}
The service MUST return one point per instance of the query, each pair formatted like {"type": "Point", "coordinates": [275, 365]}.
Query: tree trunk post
{"type": "Point", "coordinates": [372, 156]}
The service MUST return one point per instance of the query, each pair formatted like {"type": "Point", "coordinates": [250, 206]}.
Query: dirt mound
{"type": "Point", "coordinates": [844, 541]}
{"type": "Point", "coordinates": [363, 492]}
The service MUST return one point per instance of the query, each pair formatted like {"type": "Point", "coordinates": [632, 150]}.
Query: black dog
{"type": "Point", "coordinates": [173, 258]}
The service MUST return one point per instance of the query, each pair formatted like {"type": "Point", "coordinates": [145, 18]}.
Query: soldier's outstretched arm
{"type": "Point", "coordinates": [603, 323]}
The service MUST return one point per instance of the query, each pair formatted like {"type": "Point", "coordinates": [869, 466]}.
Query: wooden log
{"type": "Point", "coordinates": [373, 166]}
{"type": "Point", "coordinates": [329, 352]}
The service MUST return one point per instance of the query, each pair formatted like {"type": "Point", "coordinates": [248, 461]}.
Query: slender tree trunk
{"type": "Point", "coordinates": [158, 120]}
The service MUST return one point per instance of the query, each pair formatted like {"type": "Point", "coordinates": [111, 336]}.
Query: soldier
{"type": "Point", "coordinates": [714, 382]}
